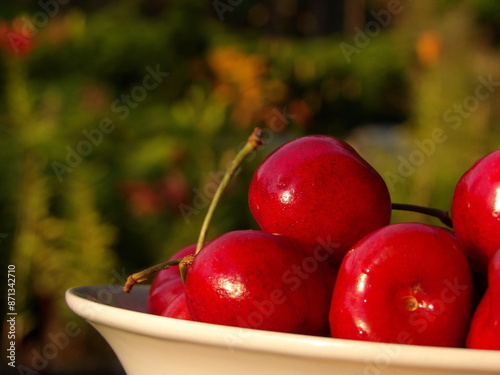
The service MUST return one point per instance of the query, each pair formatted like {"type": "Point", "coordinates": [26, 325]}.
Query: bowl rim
{"type": "Point", "coordinates": [80, 300]}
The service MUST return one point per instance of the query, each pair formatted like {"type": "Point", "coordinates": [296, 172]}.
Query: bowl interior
{"type": "Point", "coordinates": [142, 340]}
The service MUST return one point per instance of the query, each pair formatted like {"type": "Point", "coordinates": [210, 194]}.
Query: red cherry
{"type": "Point", "coordinates": [178, 308]}
{"type": "Point", "coordinates": [475, 210]}
{"type": "Point", "coordinates": [167, 284]}
{"type": "Point", "coordinates": [318, 188]}
{"type": "Point", "coordinates": [406, 283]}
{"type": "Point", "coordinates": [259, 280]}
{"type": "Point", "coordinates": [485, 326]}
{"type": "Point", "coordinates": [160, 297]}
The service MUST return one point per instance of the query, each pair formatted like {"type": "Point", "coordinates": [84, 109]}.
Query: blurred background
{"type": "Point", "coordinates": [117, 119]}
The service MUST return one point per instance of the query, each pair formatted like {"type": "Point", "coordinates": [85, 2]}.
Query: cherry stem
{"type": "Point", "coordinates": [145, 274]}
{"type": "Point", "coordinates": [254, 141]}
{"type": "Point", "coordinates": [443, 216]}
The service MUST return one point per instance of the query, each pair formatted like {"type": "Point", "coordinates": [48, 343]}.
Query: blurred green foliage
{"type": "Point", "coordinates": [104, 174]}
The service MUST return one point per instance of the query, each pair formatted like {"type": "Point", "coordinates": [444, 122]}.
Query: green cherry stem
{"type": "Point", "coordinates": [443, 216]}
{"type": "Point", "coordinates": [254, 141]}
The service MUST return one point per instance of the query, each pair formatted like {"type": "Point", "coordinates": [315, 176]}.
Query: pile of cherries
{"type": "Point", "coordinates": [328, 261]}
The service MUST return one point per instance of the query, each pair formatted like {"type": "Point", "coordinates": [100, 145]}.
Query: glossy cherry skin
{"type": "Point", "coordinates": [475, 210]}
{"type": "Point", "coordinates": [254, 279]}
{"type": "Point", "coordinates": [406, 283]}
{"type": "Point", "coordinates": [178, 308]}
{"type": "Point", "coordinates": [485, 326]}
{"type": "Point", "coordinates": [317, 189]}
{"type": "Point", "coordinates": [167, 284]}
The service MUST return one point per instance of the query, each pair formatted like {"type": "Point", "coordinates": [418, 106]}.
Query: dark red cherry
{"type": "Point", "coordinates": [406, 283]}
{"type": "Point", "coordinates": [167, 284]}
{"type": "Point", "coordinates": [178, 308]}
{"type": "Point", "coordinates": [317, 189]}
{"type": "Point", "coordinates": [485, 326]}
{"type": "Point", "coordinates": [475, 210]}
{"type": "Point", "coordinates": [258, 280]}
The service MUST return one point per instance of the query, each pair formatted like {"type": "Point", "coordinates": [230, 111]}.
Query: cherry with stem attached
{"type": "Point", "coordinates": [254, 141]}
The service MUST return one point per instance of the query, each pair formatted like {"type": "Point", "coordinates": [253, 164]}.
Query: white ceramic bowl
{"type": "Point", "coordinates": [149, 344]}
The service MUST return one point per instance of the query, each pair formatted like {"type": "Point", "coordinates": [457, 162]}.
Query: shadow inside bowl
{"type": "Point", "coordinates": [113, 295]}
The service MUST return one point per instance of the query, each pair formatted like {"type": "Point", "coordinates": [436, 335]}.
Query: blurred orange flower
{"type": "Point", "coordinates": [238, 81]}
{"type": "Point", "coordinates": [428, 48]}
